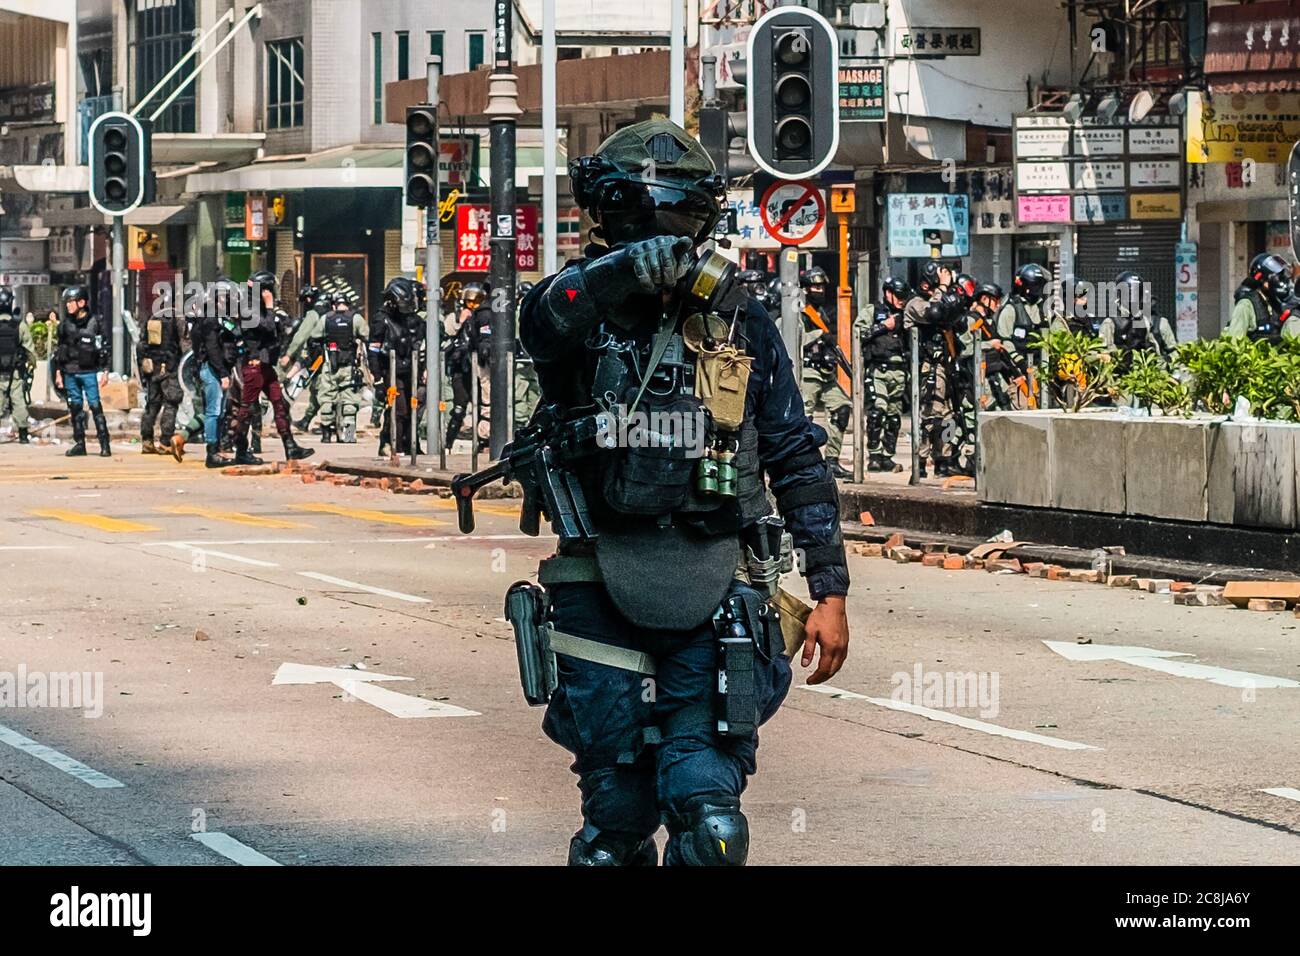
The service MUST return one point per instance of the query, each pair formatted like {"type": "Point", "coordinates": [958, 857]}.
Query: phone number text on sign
{"type": "Point", "coordinates": [473, 238]}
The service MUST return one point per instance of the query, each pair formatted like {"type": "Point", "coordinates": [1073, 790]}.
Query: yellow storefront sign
{"type": "Point", "coordinates": [1231, 127]}
{"type": "Point", "coordinates": [1155, 206]}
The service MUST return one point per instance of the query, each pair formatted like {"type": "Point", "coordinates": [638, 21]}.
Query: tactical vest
{"type": "Point", "coordinates": [159, 339]}
{"type": "Point", "coordinates": [1268, 325]}
{"type": "Point", "coordinates": [9, 343]}
{"type": "Point", "coordinates": [340, 341]}
{"type": "Point", "coordinates": [886, 345]}
{"type": "Point", "coordinates": [86, 344]}
{"type": "Point", "coordinates": [231, 333]}
{"type": "Point", "coordinates": [1025, 325]}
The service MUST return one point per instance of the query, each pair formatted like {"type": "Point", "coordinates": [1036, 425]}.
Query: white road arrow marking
{"type": "Point", "coordinates": [361, 685]}
{"type": "Point", "coordinates": [956, 719]}
{"type": "Point", "coordinates": [1157, 660]}
{"type": "Point", "coordinates": [1286, 793]}
{"type": "Point", "coordinates": [355, 586]}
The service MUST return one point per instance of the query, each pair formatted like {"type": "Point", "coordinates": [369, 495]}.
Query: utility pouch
{"type": "Point", "coordinates": [792, 616]}
{"type": "Point", "coordinates": [146, 365]}
{"type": "Point", "coordinates": [721, 380]}
{"type": "Point", "coordinates": [651, 474]}
{"type": "Point", "coordinates": [526, 610]}
{"type": "Point", "coordinates": [741, 627]}
{"type": "Point", "coordinates": [154, 331]}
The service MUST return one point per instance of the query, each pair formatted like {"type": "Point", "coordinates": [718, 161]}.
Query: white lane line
{"type": "Point", "coordinates": [956, 719]}
{"type": "Point", "coordinates": [254, 541]}
{"type": "Point", "coordinates": [1286, 793]}
{"type": "Point", "coordinates": [36, 547]}
{"type": "Point", "coordinates": [1158, 660]}
{"type": "Point", "coordinates": [59, 761]}
{"type": "Point", "coordinates": [232, 849]}
{"type": "Point", "coordinates": [480, 537]}
{"type": "Point", "coordinates": [291, 673]}
{"type": "Point", "coordinates": [354, 586]}
{"type": "Point", "coordinates": [402, 705]}
{"type": "Point", "coordinates": [225, 555]}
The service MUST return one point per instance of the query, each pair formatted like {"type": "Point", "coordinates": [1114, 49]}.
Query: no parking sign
{"type": "Point", "coordinates": [794, 213]}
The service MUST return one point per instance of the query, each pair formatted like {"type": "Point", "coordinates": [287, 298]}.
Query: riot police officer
{"type": "Point", "coordinates": [1078, 318]}
{"type": "Point", "coordinates": [999, 372]}
{"type": "Point", "coordinates": [1257, 311]}
{"type": "Point", "coordinates": [17, 356]}
{"type": "Point", "coordinates": [527, 390]}
{"type": "Point", "coordinates": [256, 374]}
{"type": "Point", "coordinates": [1133, 326]}
{"type": "Point", "coordinates": [469, 331]}
{"type": "Point", "coordinates": [159, 359]}
{"type": "Point", "coordinates": [81, 366]}
{"type": "Point", "coordinates": [758, 284]}
{"type": "Point", "coordinates": [656, 588]}
{"type": "Point", "coordinates": [884, 355]}
{"type": "Point", "coordinates": [820, 384]}
{"type": "Point", "coordinates": [304, 349]}
{"type": "Point", "coordinates": [930, 312]}
{"type": "Point", "coordinates": [397, 329]}
{"type": "Point", "coordinates": [342, 338]}
{"type": "Point", "coordinates": [1020, 319]}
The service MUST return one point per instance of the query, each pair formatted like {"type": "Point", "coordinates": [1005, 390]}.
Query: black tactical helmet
{"type": "Point", "coordinates": [965, 286]}
{"type": "Point", "coordinates": [814, 276]}
{"type": "Point", "coordinates": [74, 293]}
{"type": "Point", "coordinates": [473, 294]}
{"type": "Point", "coordinates": [523, 290]}
{"type": "Point", "coordinates": [6, 298]}
{"type": "Point", "coordinates": [898, 286]}
{"type": "Point", "coordinates": [224, 297]}
{"type": "Point", "coordinates": [1031, 279]}
{"type": "Point", "coordinates": [930, 273]}
{"type": "Point", "coordinates": [313, 297]}
{"type": "Point", "coordinates": [400, 294]}
{"type": "Point", "coordinates": [1266, 266]}
{"type": "Point", "coordinates": [990, 290]}
{"type": "Point", "coordinates": [649, 179]}
{"type": "Point", "coordinates": [262, 279]}
{"type": "Point", "coordinates": [340, 297]}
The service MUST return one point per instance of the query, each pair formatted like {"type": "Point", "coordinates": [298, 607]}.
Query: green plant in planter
{"type": "Point", "coordinates": [1079, 368]}
{"type": "Point", "coordinates": [1225, 369]}
{"type": "Point", "coordinates": [1154, 384]}
{"type": "Point", "coordinates": [40, 330]}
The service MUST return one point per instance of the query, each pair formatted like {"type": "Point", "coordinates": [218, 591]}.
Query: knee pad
{"type": "Point", "coordinates": [612, 848]}
{"type": "Point", "coordinates": [712, 835]}
{"type": "Point", "coordinates": [875, 419]}
{"type": "Point", "coordinates": [841, 416]}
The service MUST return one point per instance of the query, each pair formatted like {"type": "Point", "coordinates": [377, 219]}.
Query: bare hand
{"type": "Point", "coordinates": [284, 362]}
{"type": "Point", "coordinates": [102, 379]}
{"type": "Point", "coordinates": [828, 628]}
{"type": "Point", "coordinates": [225, 383]}
{"type": "Point", "coordinates": [58, 380]}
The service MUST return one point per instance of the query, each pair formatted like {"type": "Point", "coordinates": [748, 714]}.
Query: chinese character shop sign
{"type": "Point", "coordinates": [862, 91]}
{"type": "Point", "coordinates": [920, 221]}
{"type": "Point", "coordinates": [473, 233]}
{"type": "Point", "coordinates": [937, 41]}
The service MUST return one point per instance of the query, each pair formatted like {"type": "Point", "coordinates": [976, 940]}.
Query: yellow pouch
{"type": "Point", "coordinates": [154, 331]}
{"type": "Point", "coordinates": [794, 615]}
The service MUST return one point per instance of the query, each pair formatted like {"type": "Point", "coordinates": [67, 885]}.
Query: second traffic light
{"type": "Point", "coordinates": [718, 130]}
{"type": "Point", "coordinates": [793, 93]}
{"type": "Point", "coordinates": [121, 163]}
{"type": "Point", "coordinates": [421, 156]}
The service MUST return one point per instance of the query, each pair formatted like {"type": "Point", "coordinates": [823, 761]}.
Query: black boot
{"type": "Point", "coordinates": [22, 437]}
{"type": "Point", "coordinates": [214, 459]}
{"type": "Point", "coordinates": [295, 452]}
{"type": "Point", "coordinates": [101, 430]}
{"type": "Point", "coordinates": [78, 434]}
{"type": "Point", "coordinates": [303, 424]}
{"type": "Point", "coordinates": [326, 434]}
{"type": "Point", "coordinates": [840, 472]}
{"type": "Point", "coordinates": [255, 443]}
{"type": "Point", "coordinates": [243, 456]}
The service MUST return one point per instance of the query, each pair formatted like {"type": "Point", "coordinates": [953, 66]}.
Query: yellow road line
{"type": "Point", "coordinates": [236, 517]}
{"type": "Point", "coordinates": [367, 514]}
{"type": "Point", "coordinates": [447, 504]}
{"type": "Point", "coordinates": [84, 478]}
{"type": "Point", "coordinates": [91, 520]}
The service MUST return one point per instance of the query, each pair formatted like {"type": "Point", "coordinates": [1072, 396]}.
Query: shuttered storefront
{"type": "Point", "coordinates": [1146, 248]}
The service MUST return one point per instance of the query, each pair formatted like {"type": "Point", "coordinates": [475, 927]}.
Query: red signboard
{"type": "Point", "coordinates": [473, 234]}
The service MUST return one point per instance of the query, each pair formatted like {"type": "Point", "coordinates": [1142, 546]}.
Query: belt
{"type": "Point", "coordinates": [570, 645]}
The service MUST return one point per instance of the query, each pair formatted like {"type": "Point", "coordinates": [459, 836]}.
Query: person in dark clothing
{"type": "Point", "coordinates": [397, 329]}
{"type": "Point", "coordinates": [81, 366]}
{"type": "Point", "coordinates": [159, 357]}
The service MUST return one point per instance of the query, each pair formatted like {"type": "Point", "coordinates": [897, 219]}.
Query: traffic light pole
{"type": "Point", "coordinates": [119, 295]}
{"type": "Point", "coordinates": [789, 273]}
{"type": "Point", "coordinates": [433, 286]}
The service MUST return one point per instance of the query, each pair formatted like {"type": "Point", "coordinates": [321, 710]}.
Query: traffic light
{"type": "Point", "coordinates": [421, 156]}
{"type": "Point", "coordinates": [718, 131]}
{"type": "Point", "coordinates": [121, 163]}
{"type": "Point", "coordinates": [793, 87]}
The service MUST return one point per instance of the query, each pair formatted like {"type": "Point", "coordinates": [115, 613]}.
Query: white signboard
{"type": "Point", "coordinates": [22, 255]}
{"type": "Point", "coordinates": [1042, 143]}
{"type": "Point", "coordinates": [1099, 176]}
{"type": "Point", "coordinates": [1098, 142]}
{"type": "Point", "coordinates": [916, 218]}
{"type": "Point", "coordinates": [1154, 141]}
{"type": "Point", "coordinates": [1030, 176]}
{"type": "Point", "coordinates": [1154, 172]}
{"type": "Point", "coordinates": [1185, 294]}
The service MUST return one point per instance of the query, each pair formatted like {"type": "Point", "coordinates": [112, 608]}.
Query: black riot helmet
{"type": "Point", "coordinates": [649, 179]}
{"type": "Point", "coordinates": [313, 297]}
{"type": "Point", "coordinates": [224, 298]}
{"type": "Point", "coordinates": [989, 290]}
{"type": "Point", "coordinates": [6, 298]}
{"type": "Point", "coordinates": [815, 282]}
{"type": "Point", "coordinates": [964, 285]}
{"type": "Point", "coordinates": [400, 295]}
{"type": "Point", "coordinates": [74, 294]}
{"type": "Point", "coordinates": [898, 287]}
{"type": "Point", "coordinates": [1264, 267]}
{"type": "Point", "coordinates": [473, 294]}
{"type": "Point", "coordinates": [262, 279]}
{"type": "Point", "coordinates": [340, 297]}
{"type": "Point", "coordinates": [931, 278]}
{"type": "Point", "coordinates": [1031, 280]}
{"type": "Point", "coordinates": [1128, 287]}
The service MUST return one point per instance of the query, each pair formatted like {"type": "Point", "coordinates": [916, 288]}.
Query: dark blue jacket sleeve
{"type": "Point", "coordinates": [789, 447]}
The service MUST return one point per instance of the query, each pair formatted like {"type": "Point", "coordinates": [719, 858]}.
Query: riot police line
{"type": "Point", "coordinates": [234, 349]}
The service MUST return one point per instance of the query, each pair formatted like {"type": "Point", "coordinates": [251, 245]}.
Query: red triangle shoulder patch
{"type": "Point", "coordinates": [571, 293]}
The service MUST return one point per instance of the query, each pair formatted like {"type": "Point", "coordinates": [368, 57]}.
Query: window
{"type": "Point", "coordinates": [377, 55]}
{"type": "Point", "coordinates": [477, 44]}
{"type": "Point", "coordinates": [403, 55]}
{"type": "Point", "coordinates": [162, 33]}
{"type": "Point", "coordinates": [435, 46]}
{"type": "Point", "coordinates": [284, 83]}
